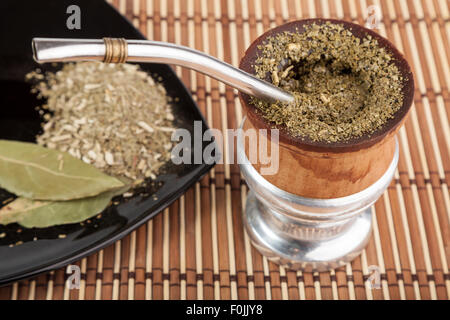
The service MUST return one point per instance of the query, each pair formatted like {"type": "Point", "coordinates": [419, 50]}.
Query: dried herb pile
{"type": "Point", "coordinates": [108, 127]}
{"type": "Point", "coordinates": [112, 116]}
{"type": "Point", "coordinates": [344, 86]}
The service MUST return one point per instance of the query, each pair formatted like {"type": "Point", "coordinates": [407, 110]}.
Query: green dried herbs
{"type": "Point", "coordinates": [113, 116]}
{"type": "Point", "coordinates": [100, 119]}
{"type": "Point", "coordinates": [344, 86]}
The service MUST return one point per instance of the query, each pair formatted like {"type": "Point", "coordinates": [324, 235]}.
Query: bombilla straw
{"type": "Point", "coordinates": [114, 50]}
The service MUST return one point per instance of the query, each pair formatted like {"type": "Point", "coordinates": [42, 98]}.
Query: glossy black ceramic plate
{"type": "Point", "coordinates": [38, 250]}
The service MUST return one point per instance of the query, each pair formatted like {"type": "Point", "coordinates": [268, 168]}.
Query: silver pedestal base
{"type": "Point", "coordinates": [301, 253]}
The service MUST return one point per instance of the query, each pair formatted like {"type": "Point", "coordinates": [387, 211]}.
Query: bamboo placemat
{"type": "Point", "coordinates": [197, 249]}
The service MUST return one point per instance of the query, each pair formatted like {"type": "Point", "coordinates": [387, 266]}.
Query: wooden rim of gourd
{"type": "Point", "coordinates": [353, 144]}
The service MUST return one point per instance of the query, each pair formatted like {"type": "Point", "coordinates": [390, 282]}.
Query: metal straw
{"type": "Point", "coordinates": [113, 50]}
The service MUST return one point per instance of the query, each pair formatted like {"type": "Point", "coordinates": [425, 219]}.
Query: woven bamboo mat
{"type": "Point", "coordinates": [196, 249]}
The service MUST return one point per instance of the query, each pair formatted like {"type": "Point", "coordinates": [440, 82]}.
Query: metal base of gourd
{"type": "Point", "coordinates": [303, 233]}
{"type": "Point", "coordinates": [305, 251]}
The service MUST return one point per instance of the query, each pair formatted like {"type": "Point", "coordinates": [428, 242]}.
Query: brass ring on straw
{"type": "Point", "coordinates": [116, 50]}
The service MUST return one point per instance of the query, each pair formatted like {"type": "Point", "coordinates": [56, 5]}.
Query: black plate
{"type": "Point", "coordinates": [42, 249]}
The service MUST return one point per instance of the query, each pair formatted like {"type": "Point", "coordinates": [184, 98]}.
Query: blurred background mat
{"type": "Point", "coordinates": [197, 249]}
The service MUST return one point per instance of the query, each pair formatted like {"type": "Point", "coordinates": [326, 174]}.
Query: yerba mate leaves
{"type": "Point", "coordinates": [41, 214]}
{"type": "Point", "coordinates": [114, 116]}
{"type": "Point", "coordinates": [38, 173]}
{"type": "Point", "coordinates": [345, 87]}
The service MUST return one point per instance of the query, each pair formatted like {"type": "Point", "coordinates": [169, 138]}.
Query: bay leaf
{"type": "Point", "coordinates": [41, 214]}
{"type": "Point", "coordinates": [32, 171]}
